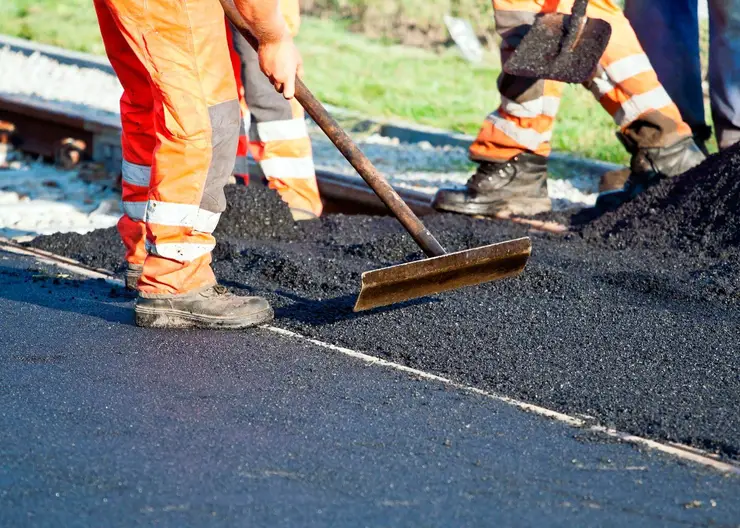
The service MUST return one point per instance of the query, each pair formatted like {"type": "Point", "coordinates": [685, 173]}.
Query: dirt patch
{"type": "Point", "coordinates": [417, 23]}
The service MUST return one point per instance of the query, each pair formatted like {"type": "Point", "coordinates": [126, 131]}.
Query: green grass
{"type": "Point", "coordinates": [436, 89]}
{"type": "Point", "coordinates": [67, 23]}
{"type": "Point", "coordinates": [360, 74]}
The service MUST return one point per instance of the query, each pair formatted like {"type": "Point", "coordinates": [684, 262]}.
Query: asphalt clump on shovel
{"type": "Point", "coordinates": [644, 340]}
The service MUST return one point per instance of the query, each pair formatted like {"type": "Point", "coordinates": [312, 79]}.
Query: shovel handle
{"type": "Point", "coordinates": [348, 148]}
{"type": "Point", "coordinates": [579, 8]}
{"type": "Point", "coordinates": [369, 173]}
{"type": "Point", "coordinates": [577, 18]}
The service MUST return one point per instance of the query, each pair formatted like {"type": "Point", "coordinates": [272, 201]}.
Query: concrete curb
{"type": "Point", "coordinates": [407, 133]}
{"type": "Point", "coordinates": [413, 133]}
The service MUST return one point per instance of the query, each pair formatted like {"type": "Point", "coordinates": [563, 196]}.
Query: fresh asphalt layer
{"type": "Point", "coordinates": [640, 340]}
{"type": "Point", "coordinates": [107, 424]}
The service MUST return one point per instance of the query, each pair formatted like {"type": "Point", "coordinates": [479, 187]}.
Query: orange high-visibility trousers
{"type": "Point", "coordinates": [625, 84]}
{"type": "Point", "coordinates": [274, 130]}
{"type": "Point", "coordinates": [180, 118]}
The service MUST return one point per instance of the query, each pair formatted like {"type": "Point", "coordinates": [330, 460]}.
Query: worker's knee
{"type": "Point", "coordinates": [225, 120]}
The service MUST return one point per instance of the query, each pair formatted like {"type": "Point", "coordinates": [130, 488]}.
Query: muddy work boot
{"type": "Point", "coordinates": [212, 307]}
{"type": "Point", "coordinates": [517, 186]}
{"type": "Point", "coordinates": [133, 273]}
{"type": "Point", "coordinates": [650, 165]}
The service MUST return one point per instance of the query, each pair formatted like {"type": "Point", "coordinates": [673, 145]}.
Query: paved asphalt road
{"type": "Point", "coordinates": [103, 424]}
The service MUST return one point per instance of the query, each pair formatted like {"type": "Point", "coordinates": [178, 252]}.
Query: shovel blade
{"type": "Point", "coordinates": [439, 274]}
{"type": "Point", "coordinates": [541, 55]}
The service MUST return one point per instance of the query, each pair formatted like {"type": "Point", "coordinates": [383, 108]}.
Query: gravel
{"type": "Point", "coordinates": [421, 167]}
{"type": "Point", "coordinates": [256, 212]}
{"type": "Point", "coordinates": [36, 198]}
{"type": "Point", "coordinates": [85, 90]}
{"type": "Point", "coordinates": [642, 340]}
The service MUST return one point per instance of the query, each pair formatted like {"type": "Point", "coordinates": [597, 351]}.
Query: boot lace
{"type": "Point", "coordinates": [220, 290]}
{"type": "Point", "coordinates": [486, 172]}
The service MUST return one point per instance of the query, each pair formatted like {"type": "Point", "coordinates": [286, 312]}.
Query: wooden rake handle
{"type": "Point", "coordinates": [350, 151]}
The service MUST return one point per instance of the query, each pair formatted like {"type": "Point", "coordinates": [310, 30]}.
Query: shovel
{"type": "Point", "coordinates": [440, 272]}
{"type": "Point", "coordinates": [561, 47]}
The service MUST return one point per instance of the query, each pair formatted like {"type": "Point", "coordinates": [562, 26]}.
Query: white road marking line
{"type": "Point", "coordinates": [62, 262]}
{"type": "Point", "coordinates": [372, 360]}
{"type": "Point", "coordinates": [681, 451]}
{"type": "Point", "coordinates": [674, 449]}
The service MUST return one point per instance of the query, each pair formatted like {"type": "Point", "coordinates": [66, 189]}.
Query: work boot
{"type": "Point", "coordinates": [650, 165]}
{"type": "Point", "coordinates": [702, 134]}
{"type": "Point", "coordinates": [211, 307]}
{"type": "Point", "coordinates": [133, 273]}
{"type": "Point", "coordinates": [517, 186]}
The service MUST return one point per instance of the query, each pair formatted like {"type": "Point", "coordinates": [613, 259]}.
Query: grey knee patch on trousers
{"type": "Point", "coordinates": [225, 119]}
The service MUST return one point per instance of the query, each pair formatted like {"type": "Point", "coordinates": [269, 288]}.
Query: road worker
{"type": "Point", "coordinates": [273, 129]}
{"type": "Point", "coordinates": [180, 120]}
{"type": "Point", "coordinates": [669, 32]}
{"type": "Point", "coordinates": [513, 144]}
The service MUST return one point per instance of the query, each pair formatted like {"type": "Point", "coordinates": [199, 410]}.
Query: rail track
{"type": "Point", "coordinates": [69, 137]}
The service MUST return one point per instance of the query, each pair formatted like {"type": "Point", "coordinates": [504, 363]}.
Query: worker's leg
{"type": "Point", "coordinates": [724, 69]}
{"type": "Point", "coordinates": [668, 31]}
{"type": "Point", "coordinates": [628, 88]}
{"type": "Point", "coordinates": [278, 136]}
{"type": "Point", "coordinates": [241, 166]}
{"type": "Point", "coordinates": [137, 138]}
{"type": "Point", "coordinates": [651, 127]}
{"type": "Point", "coordinates": [182, 46]}
{"type": "Point", "coordinates": [513, 144]}
{"type": "Point", "coordinates": [525, 118]}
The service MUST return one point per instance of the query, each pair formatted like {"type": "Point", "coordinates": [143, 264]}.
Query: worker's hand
{"type": "Point", "coordinates": [281, 62]}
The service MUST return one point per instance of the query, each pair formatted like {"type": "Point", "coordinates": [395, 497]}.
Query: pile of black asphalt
{"type": "Point", "coordinates": [633, 321]}
{"type": "Point", "coordinates": [697, 212]}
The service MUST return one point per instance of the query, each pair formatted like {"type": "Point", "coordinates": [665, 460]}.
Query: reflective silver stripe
{"type": "Point", "coordinates": [288, 167]}
{"type": "Point", "coordinates": [134, 210]}
{"type": "Point", "coordinates": [641, 103]}
{"type": "Point", "coordinates": [206, 221]}
{"type": "Point", "coordinates": [179, 252]}
{"type": "Point", "coordinates": [627, 67]}
{"type": "Point", "coordinates": [171, 214]}
{"type": "Point", "coordinates": [546, 105]}
{"type": "Point", "coordinates": [617, 72]}
{"type": "Point", "coordinates": [282, 130]}
{"type": "Point", "coordinates": [181, 215]}
{"type": "Point", "coordinates": [526, 137]}
{"type": "Point", "coordinates": [246, 122]}
{"type": "Point", "coordinates": [136, 174]}
{"type": "Point", "coordinates": [601, 85]}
